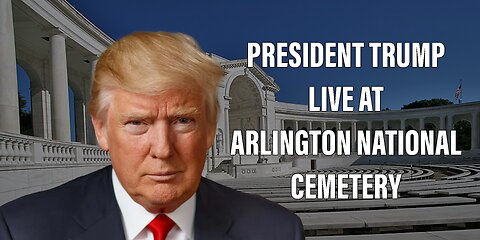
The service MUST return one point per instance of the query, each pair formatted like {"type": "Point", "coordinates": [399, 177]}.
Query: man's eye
{"type": "Point", "coordinates": [136, 127]}
{"type": "Point", "coordinates": [184, 124]}
{"type": "Point", "coordinates": [184, 120]}
{"type": "Point", "coordinates": [135, 122]}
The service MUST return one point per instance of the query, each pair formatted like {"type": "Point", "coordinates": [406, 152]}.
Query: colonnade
{"type": "Point", "coordinates": [50, 105]}
{"type": "Point", "coordinates": [9, 117]}
{"type": "Point", "coordinates": [445, 122]}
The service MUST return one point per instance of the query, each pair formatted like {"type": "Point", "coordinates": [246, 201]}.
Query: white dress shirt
{"type": "Point", "coordinates": [135, 218]}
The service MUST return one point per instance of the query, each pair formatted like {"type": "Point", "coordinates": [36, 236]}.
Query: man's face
{"type": "Point", "coordinates": [157, 144]}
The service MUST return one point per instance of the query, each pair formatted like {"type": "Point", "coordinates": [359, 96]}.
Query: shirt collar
{"type": "Point", "coordinates": [135, 218]}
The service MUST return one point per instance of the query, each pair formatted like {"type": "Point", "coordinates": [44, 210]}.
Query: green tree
{"type": "Point", "coordinates": [430, 126]}
{"type": "Point", "coordinates": [464, 134]}
{"type": "Point", "coordinates": [463, 127]}
{"type": "Point", "coordinates": [26, 124]}
{"type": "Point", "coordinates": [427, 103]}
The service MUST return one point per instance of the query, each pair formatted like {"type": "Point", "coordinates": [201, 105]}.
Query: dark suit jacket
{"type": "Point", "coordinates": [86, 208]}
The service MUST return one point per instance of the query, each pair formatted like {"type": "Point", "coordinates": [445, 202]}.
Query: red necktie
{"type": "Point", "coordinates": [160, 226]}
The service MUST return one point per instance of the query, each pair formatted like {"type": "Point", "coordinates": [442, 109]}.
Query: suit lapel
{"type": "Point", "coordinates": [99, 216]}
{"type": "Point", "coordinates": [211, 221]}
{"type": "Point", "coordinates": [108, 227]}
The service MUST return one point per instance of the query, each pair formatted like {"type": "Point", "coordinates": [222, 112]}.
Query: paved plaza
{"type": "Point", "coordinates": [436, 202]}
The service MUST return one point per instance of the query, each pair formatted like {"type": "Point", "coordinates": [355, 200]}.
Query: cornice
{"type": "Point", "coordinates": [81, 21]}
{"type": "Point", "coordinates": [270, 85]}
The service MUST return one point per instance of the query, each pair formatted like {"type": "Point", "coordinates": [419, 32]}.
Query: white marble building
{"type": "Point", "coordinates": [247, 100]}
{"type": "Point", "coordinates": [58, 47]}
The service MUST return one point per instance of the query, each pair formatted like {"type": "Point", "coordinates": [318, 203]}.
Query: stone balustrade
{"type": "Point", "coordinates": [32, 164]}
{"type": "Point", "coordinates": [262, 170]}
{"type": "Point", "coordinates": [20, 151]}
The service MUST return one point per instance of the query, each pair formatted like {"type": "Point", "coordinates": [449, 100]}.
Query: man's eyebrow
{"type": "Point", "coordinates": [138, 115]}
{"type": "Point", "coordinates": [182, 111]}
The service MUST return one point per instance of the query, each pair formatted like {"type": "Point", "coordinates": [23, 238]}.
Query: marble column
{"type": "Point", "coordinates": [449, 122]}
{"type": "Point", "coordinates": [80, 120]}
{"type": "Point", "coordinates": [370, 128]}
{"type": "Point", "coordinates": [442, 122]}
{"type": "Point", "coordinates": [60, 101]}
{"type": "Point", "coordinates": [9, 116]}
{"type": "Point", "coordinates": [227, 128]}
{"type": "Point", "coordinates": [385, 127]}
{"type": "Point", "coordinates": [310, 144]}
{"type": "Point", "coordinates": [41, 114]}
{"type": "Point", "coordinates": [449, 125]}
{"type": "Point", "coordinates": [339, 126]}
{"type": "Point", "coordinates": [421, 123]}
{"type": "Point", "coordinates": [475, 145]}
{"type": "Point", "coordinates": [354, 136]}
{"type": "Point", "coordinates": [262, 125]}
{"type": "Point", "coordinates": [295, 126]}
{"type": "Point", "coordinates": [402, 124]}
{"type": "Point", "coordinates": [214, 153]}
{"type": "Point", "coordinates": [265, 123]}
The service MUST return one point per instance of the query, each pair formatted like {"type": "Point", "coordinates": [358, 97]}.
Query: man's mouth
{"type": "Point", "coordinates": [163, 176]}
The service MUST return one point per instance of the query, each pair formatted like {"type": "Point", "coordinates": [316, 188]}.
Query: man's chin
{"type": "Point", "coordinates": [164, 201]}
{"type": "Point", "coordinates": [164, 194]}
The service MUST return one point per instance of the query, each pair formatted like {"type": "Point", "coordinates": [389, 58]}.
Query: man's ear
{"type": "Point", "coordinates": [101, 132]}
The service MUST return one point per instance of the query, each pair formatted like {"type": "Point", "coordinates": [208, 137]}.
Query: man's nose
{"type": "Point", "coordinates": [161, 144]}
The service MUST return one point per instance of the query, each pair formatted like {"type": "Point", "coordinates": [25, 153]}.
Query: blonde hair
{"type": "Point", "coordinates": [152, 62]}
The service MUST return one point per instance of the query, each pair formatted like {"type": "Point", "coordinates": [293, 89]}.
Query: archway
{"type": "Point", "coordinates": [430, 126]}
{"type": "Point", "coordinates": [31, 85]}
{"type": "Point", "coordinates": [464, 134]}
{"type": "Point", "coordinates": [245, 111]}
{"type": "Point", "coordinates": [78, 109]}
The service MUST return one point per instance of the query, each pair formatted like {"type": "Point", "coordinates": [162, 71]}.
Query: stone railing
{"type": "Point", "coordinates": [20, 151]}
{"type": "Point", "coordinates": [262, 170]}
